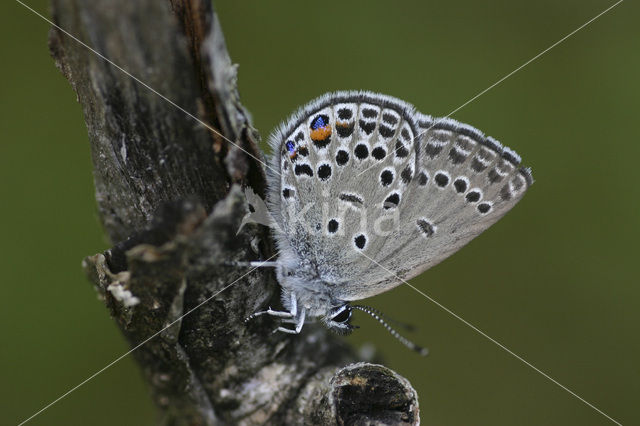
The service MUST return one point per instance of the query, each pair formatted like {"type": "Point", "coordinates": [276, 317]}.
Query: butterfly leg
{"type": "Point", "coordinates": [278, 314]}
{"type": "Point", "coordinates": [255, 264]}
{"type": "Point", "coordinates": [285, 330]}
{"type": "Point", "coordinates": [299, 321]}
{"type": "Point", "coordinates": [292, 313]}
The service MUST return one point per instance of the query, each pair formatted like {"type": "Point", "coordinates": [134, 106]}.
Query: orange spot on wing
{"type": "Point", "coordinates": [321, 133]}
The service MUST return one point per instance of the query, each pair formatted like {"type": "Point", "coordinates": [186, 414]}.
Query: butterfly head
{"type": "Point", "coordinates": [338, 319]}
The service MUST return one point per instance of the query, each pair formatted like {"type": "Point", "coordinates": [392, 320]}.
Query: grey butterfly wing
{"type": "Point", "coordinates": [366, 181]}
{"type": "Point", "coordinates": [465, 182]}
{"type": "Point", "coordinates": [344, 162]}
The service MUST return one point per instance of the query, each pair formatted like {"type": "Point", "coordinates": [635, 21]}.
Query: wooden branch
{"type": "Point", "coordinates": [169, 196]}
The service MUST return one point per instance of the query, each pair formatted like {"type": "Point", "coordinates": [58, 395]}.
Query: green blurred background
{"type": "Point", "coordinates": [555, 280]}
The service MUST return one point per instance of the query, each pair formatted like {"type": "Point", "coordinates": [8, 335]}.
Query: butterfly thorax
{"type": "Point", "coordinates": [311, 293]}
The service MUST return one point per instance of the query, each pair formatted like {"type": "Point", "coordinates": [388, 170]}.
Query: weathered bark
{"type": "Point", "coordinates": [169, 197]}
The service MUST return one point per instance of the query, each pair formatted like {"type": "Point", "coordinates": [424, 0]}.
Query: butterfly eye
{"type": "Point", "coordinates": [343, 316]}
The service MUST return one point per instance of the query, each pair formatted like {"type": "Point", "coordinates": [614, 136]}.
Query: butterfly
{"type": "Point", "coordinates": [365, 192]}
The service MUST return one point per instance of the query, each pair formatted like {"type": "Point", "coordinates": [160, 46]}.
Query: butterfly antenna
{"type": "Point", "coordinates": [404, 325]}
{"type": "Point", "coordinates": [408, 327]}
{"type": "Point", "coordinates": [379, 317]}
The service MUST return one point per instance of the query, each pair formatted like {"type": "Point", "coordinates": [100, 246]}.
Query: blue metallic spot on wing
{"type": "Point", "coordinates": [318, 123]}
{"type": "Point", "coordinates": [290, 147]}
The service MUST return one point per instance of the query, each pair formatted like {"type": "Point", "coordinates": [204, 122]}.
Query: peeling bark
{"type": "Point", "coordinates": [169, 195]}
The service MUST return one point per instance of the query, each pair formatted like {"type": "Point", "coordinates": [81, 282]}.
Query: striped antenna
{"type": "Point", "coordinates": [379, 317]}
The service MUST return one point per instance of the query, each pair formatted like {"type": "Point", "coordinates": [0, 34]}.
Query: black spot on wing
{"type": "Point", "coordinates": [473, 196]}
{"type": "Point", "coordinates": [422, 179]}
{"type": "Point", "coordinates": [386, 177]}
{"type": "Point", "coordinates": [385, 131]}
{"type": "Point", "coordinates": [361, 151]}
{"type": "Point", "coordinates": [406, 175]}
{"type": "Point", "coordinates": [505, 192]}
{"type": "Point", "coordinates": [322, 143]}
{"type": "Point", "coordinates": [344, 131]}
{"type": "Point", "coordinates": [342, 157]}
{"type": "Point", "coordinates": [484, 208]}
{"type": "Point", "coordinates": [303, 169]}
{"type": "Point", "coordinates": [391, 201]}
{"type": "Point", "coordinates": [324, 172]}
{"type": "Point", "coordinates": [344, 114]}
{"type": "Point", "coordinates": [350, 198]}
{"type": "Point", "coordinates": [441, 179]}
{"type": "Point", "coordinates": [288, 193]}
{"type": "Point", "coordinates": [425, 227]}
{"type": "Point", "coordinates": [433, 149]}
{"type": "Point", "coordinates": [477, 166]}
{"type": "Point", "coordinates": [400, 150]}
{"type": "Point", "coordinates": [460, 185]}
{"type": "Point", "coordinates": [367, 126]}
{"type": "Point", "coordinates": [389, 118]}
{"type": "Point", "coordinates": [378, 153]}
{"type": "Point", "coordinates": [456, 156]}
{"type": "Point", "coordinates": [369, 113]}
{"type": "Point", "coordinates": [494, 176]}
